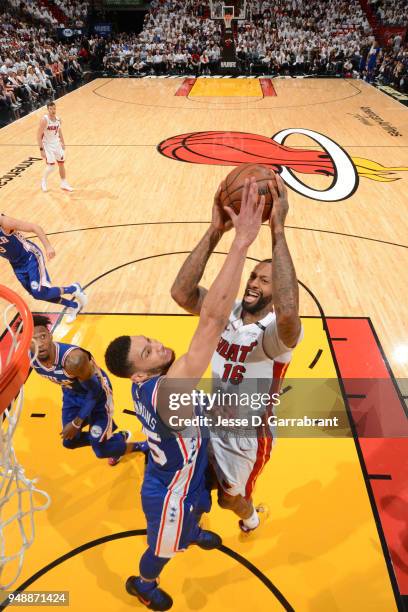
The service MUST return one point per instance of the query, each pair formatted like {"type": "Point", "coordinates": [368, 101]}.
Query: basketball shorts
{"type": "Point", "coordinates": [238, 461]}
{"type": "Point", "coordinates": [54, 153]}
{"type": "Point", "coordinates": [172, 519]}
{"type": "Point", "coordinates": [100, 422]}
{"type": "Point", "coordinates": [33, 274]}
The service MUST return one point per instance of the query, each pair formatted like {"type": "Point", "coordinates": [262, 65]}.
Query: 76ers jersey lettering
{"type": "Point", "coordinates": [178, 459]}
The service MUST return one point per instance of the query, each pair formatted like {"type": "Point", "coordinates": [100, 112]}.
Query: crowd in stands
{"type": "Point", "coordinates": [299, 37]}
{"type": "Point", "coordinates": [76, 11]}
{"type": "Point", "coordinates": [71, 12]}
{"type": "Point", "coordinates": [393, 68]}
{"type": "Point", "coordinates": [283, 37]}
{"type": "Point", "coordinates": [390, 12]}
{"type": "Point", "coordinates": [179, 37]}
{"type": "Point", "coordinates": [33, 65]}
{"type": "Point", "coordinates": [35, 11]}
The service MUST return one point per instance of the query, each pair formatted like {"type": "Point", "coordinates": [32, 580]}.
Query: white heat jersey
{"type": "Point", "coordinates": [240, 364]}
{"type": "Point", "coordinates": [51, 131]}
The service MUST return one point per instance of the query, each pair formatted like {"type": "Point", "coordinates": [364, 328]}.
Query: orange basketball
{"type": "Point", "coordinates": [234, 184]}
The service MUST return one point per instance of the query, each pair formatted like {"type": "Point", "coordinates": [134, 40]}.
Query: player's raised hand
{"type": "Point", "coordinates": [280, 205]}
{"type": "Point", "coordinates": [248, 221]}
{"type": "Point", "coordinates": [50, 252]}
{"type": "Point", "coordinates": [219, 220]}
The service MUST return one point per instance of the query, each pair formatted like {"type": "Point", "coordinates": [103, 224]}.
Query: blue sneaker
{"type": "Point", "coordinates": [148, 593]}
{"type": "Point", "coordinates": [141, 447]}
{"type": "Point", "coordinates": [208, 540]}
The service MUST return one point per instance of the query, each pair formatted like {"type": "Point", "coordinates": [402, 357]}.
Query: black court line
{"type": "Point", "coordinates": [286, 389]}
{"type": "Point", "coordinates": [294, 227]}
{"type": "Point", "coordinates": [380, 476]}
{"type": "Point", "coordinates": [131, 412]}
{"type": "Point", "coordinates": [142, 532]}
{"type": "Point", "coordinates": [355, 395]}
{"type": "Point", "coordinates": [234, 555]}
{"type": "Point", "coordinates": [357, 92]}
{"type": "Point", "coordinates": [38, 415]}
{"type": "Point", "coordinates": [316, 359]}
{"type": "Point", "coordinates": [339, 339]}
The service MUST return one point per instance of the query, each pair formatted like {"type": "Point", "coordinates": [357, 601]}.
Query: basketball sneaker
{"type": "Point", "coordinates": [208, 540]}
{"type": "Point", "coordinates": [148, 593]}
{"type": "Point", "coordinates": [66, 186]}
{"type": "Point", "coordinates": [138, 447]}
{"type": "Point", "coordinates": [71, 313]}
{"type": "Point", "coordinates": [80, 295]}
{"type": "Point", "coordinates": [262, 511]}
{"type": "Point", "coordinates": [115, 460]}
{"type": "Point", "coordinates": [44, 185]}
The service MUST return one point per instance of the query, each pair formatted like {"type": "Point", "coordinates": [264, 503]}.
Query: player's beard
{"type": "Point", "coordinates": [164, 368]}
{"type": "Point", "coordinates": [257, 306]}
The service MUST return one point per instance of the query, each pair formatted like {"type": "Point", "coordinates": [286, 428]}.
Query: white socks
{"type": "Point", "coordinates": [253, 521]}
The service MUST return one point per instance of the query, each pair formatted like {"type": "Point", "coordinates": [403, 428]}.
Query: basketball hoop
{"type": "Point", "coordinates": [17, 505]}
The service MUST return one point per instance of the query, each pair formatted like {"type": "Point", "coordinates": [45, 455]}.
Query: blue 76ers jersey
{"type": "Point", "coordinates": [57, 374]}
{"type": "Point", "coordinates": [178, 460]}
{"type": "Point", "coordinates": [16, 248]}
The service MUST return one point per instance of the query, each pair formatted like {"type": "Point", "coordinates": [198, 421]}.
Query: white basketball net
{"type": "Point", "coordinates": [17, 492]}
{"type": "Point", "coordinates": [228, 22]}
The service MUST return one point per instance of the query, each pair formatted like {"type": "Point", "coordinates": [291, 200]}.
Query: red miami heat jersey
{"type": "Point", "coordinates": [240, 363]}
{"type": "Point", "coordinates": [51, 130]}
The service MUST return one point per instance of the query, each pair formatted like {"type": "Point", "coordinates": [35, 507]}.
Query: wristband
{"type": "Point", "coordinates": [76, 426]}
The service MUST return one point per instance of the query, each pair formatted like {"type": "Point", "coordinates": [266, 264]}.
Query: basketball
{"type": "Point", "coordinates": [231, 194]}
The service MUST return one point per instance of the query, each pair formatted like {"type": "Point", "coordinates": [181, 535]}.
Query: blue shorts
{"type": "Point", "coordinates": [98, 420]}
{"type": "Point", "coordinates": [33, 274]}
{"type": "Point", "coordinates": [172, 520]}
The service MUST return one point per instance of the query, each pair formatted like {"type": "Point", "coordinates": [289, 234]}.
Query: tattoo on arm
{"type": "Point", "coordinates": [186, 290]}
{"type": "Point", "coordinates": [285, 291]}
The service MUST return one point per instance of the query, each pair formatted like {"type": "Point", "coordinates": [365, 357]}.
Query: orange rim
{"type": "Point", "coordinates": [16, 372]}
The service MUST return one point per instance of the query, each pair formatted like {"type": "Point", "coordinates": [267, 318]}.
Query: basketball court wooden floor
{"type": "Point", "coordinates": [145, 163]}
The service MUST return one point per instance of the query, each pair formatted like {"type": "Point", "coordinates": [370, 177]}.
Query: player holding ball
{"type": "Point", "coordinates": [256, 345]}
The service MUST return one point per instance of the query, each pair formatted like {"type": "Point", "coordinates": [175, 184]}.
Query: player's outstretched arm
{"type": "Point", "coordinates": [284, 281]}
{"type": "Point", "coordinates": [9, 224]}
{"type": "Point", "coordinates": [185, 373]}
{"type": "Point", "coordinates": [186, 290]}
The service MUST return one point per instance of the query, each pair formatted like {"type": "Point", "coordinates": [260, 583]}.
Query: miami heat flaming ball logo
{"type": "Point", "coordinates": [234, 148]}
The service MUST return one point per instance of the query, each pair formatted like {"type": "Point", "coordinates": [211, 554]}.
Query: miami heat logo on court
{"type": "Point", "coordinates": [233, 148]}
